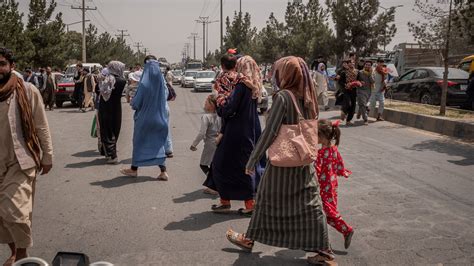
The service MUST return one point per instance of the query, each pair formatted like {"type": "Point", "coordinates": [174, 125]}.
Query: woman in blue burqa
{"type": "Point", "coordinates": [151, 121]}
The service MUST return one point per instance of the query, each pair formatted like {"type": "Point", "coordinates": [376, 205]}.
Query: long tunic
{"type": "Point", "coordinates": [89, 86]}
{"type": "Point", "coordinates": [210, 126]}
{"type": "Point", "coordinates": [110, 117]}
{"type": "Point", "coordinates": [242, 130]}
{"type": "Point", "coordinates": [288, 211]}
{"type": "Point", "coordinates": [151, 118]}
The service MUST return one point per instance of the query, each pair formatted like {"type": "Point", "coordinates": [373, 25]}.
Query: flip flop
{"type": "Point", "coordinates": [245, 212]}
{"type": "Point", "coordinates": [220, 208]}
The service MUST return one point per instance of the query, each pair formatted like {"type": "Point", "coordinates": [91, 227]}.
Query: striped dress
{"type": "Point", "coordinates": [288, 211]}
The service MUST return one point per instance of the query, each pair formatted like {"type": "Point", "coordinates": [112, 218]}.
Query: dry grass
{"type": "Point", "coordinates": [430, 110]}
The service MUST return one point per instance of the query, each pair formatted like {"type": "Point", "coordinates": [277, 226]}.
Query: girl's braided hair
{"type": "Point", "coordinates": [329, 130]}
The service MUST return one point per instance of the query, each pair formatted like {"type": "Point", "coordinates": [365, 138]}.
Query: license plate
{"type": "Point", "coordinates": [463, 87]}
{"type": "Point", "coordinates": [69, 88]}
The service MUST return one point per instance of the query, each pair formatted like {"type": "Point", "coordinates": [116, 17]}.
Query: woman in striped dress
{"type": "Point", "coordinates": [288, 211]}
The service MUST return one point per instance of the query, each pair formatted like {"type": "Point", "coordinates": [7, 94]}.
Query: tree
{"type": "Point", "coordinates": [12, 35]}
{"type": "Point", "coordinates": [272, 40]}
{"type": "Point", "coordinates": [437, 31]}
{"type": "Point", "coordinates": [240, 33]}
{"type": "Point", "coordinates": [40, 13]}
{"type": "Point", "coordinates": [360, 26]}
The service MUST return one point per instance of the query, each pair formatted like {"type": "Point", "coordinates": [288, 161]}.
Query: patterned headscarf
{"type": "Point", "coordinates": [250, 73]}
{"type": "Point", "coordinates": [225, 84]}
{"type": "Point", "coordinates": [292, 73]}
{"type": "Point", "coordinates": [107, 85]}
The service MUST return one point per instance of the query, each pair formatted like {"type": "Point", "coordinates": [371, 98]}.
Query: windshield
{"type": "Point", "coordinates": [194, 65]}
{"type": "Point", "coordinates": [190, 74]}
{"type": "Point", "coordinates": [66, 79]}
{"type": "Point", "coordinates": [205, 75]}
{"type": "Point", "coordinates": [176, 72]}
{"type": "Point", "coordinates": [454, 73]}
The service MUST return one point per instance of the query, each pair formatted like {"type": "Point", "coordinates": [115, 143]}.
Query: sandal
{"type": "Point", "coordinates": [163, 177]}
{"type": "Point", "coordinates": [347, 239]}
{"type": "Point", "coordinates": [220, 208]}
{"type": "Point", "coordinates": [128, 172]}
{"type": "Point", "coordinates": [245, 212]}
{"type": "Point", "coordinates": [239, 240]}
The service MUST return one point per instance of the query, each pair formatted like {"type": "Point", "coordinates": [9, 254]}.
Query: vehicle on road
{"type": "Point", "coordinates": [177, 76]}
{"type": "Point", "coordinates": [188, 79]}
{"type": "Point", "coordinates": [65, 91]}
{"type": "Point", "coordinates": [203, 80]}
{"type": "Point", "coordinates": [194, 65]}
{"type": "Point", "coordinates": [467, 64]}
{"type": "Point", "coordinates": [423, 85]}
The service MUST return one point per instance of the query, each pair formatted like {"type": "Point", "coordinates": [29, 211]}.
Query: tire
{"type": "Point", "coordinates": [59, 104]}
{"type": "Point", "coordinates": [427, 98]}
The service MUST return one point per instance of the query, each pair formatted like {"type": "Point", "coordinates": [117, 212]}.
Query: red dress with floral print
{"type": "Point", "coordinates": [329, 165]}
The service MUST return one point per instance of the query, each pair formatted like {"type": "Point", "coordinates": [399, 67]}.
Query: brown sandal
{"type": "Point", "coordinates": [163, 177]}
{"type": "Point", "coordinates": [239, 240]}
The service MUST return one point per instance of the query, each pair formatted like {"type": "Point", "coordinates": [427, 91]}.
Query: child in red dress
{"type": "Point", "coordinates": [329, 165]}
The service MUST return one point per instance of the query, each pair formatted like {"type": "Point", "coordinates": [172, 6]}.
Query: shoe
{"type": "Point", "coordinates": [112, 160]}
{"type": "Point", "coordinates": [358, 116]}
{"type": "Point", "coordinates": [129, 172]}
{"type": "Point", "coordinates": [326, 108]}
{"type": "Point", "coordinates": [169, 155]}
{"type": "Point", "coordinates": [220, 208]}
{"type": "Point", "coordinates": [239, 240]}
{"type": "Point", "coordinates": [349, 123]}
{"type": "Point", "coordinates": [347, 239]}
{"type": "Point", "coordinates": [366, 122]}
{"type": "Point", "coordinates": [343, 116]}
{"type": "Point", "coordinates": [379, 118]}
{"type": "Point", "coordinates": [245, 212]}
{"type": "Point", "coordinates": [163, 176]}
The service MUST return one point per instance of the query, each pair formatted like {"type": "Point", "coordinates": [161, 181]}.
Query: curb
{"type": "Point", "coordinates": [451, 128]}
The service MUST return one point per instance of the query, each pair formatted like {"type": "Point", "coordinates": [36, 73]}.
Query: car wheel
{"type": "Point", "coordinates": [426, 98]}
{"type": "Point", "coordinates": [59, 104]}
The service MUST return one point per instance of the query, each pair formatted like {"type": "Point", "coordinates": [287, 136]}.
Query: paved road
{"type": "Point", "coordinates": [410, 200]}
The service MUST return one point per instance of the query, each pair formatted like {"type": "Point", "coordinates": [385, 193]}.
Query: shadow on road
{"type": "Point", "coordinates": [89, 153]}
{"type": "Point", "coordinates": [201, 221]}
{"type": "Point", "coordinates": [193, 196]}
{"type": "Point", "coordinates": [448, 147]}
{"type": "Point", "coordinates": [96, 162]}
{"type": "Point", "coordinates": [282, 257]}
{"type": "Point", "coordinates": [122, 181]}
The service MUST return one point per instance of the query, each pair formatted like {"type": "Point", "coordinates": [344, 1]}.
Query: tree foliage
{"type": "Point", "coordinates": [432, 30]}
{"type": "Point", "coordinates": [360, 27]}
{"type": "Point", "coordinates": [44, 41]}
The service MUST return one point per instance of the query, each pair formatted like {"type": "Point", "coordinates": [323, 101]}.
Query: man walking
{"type": "Point", "coordinates": [363, 92]}
{"type": "Point", "coordinates": [49, 89]}
{"type": "Point", "coordinates": [378, 91]}
{"type": "Point", "coordinates": [26, 150]}
{"type": "Point", "coordinates": [31, 78]}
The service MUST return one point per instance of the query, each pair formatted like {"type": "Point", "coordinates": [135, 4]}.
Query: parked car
{"type": "Point", "coordinates": [423, 85]}
{"type": "Point", "coordinates": [203, 80]}
{"type": "Point", "coordinates": [71, 69]}
{"type": "Point", "coordinates": [177, 76]}
{"type": "Point", "coordinates": [263, 101]}
{"type": "Point", "coordinates": [65, 91]}
{"type": "Point", "coordinates": [188, 79]}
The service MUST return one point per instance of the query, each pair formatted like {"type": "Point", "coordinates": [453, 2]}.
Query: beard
{"type": "Point", "coordinates": [5, 77]}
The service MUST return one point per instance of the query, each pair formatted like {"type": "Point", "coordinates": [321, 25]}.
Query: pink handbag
{"type": "Point", "coordinates": [295, 145]}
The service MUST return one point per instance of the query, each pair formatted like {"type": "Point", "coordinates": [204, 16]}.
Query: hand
{"type": "Point", "coordinates": [219, 138]}
{"type": "Point", "coordinates": [249, 171]}
{"type": "Point", "coordinates": [193, 148]}
{"type": "Point", "coordinates": [45, 169]}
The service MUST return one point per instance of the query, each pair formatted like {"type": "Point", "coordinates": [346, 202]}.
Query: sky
{"type": "Point", "coordinates": [163, 26]}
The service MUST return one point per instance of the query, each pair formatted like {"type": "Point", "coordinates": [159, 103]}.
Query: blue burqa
{"type": "Point", "coordinates": [151, 117]}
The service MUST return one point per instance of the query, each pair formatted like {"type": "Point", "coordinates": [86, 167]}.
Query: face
{"type": "Point", "coordinates": [48, 70]}
{"type": "Point", "coordinates": [367, 66]}
{"type": "Point", "coordinates": [323, 67]}
{"type": "Point", "coordinates": [5, 69]}
{"type": "Point", "coordinates": [209, 107]}
{"type": "Point", "coordinates": [344, 65]}
{"type": "Point", "coordinates": [350, 64]}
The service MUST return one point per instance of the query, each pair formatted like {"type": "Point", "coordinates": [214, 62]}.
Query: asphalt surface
{"type": "Point", "coordinates": [409, 199]}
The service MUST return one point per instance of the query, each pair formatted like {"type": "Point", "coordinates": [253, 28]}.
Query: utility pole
{"type": "Point", "coordinates": [74, 23]}
{"type": "Point", "coordinates": [240, 10]}
{"type": "Point", "coordinates": [193, 37]}
{"type": "Point", "coordinates": [222, 28]}
{"type": "Point", "coordinates": [122, 34]}
{"type": "Point", "coordinates": [84, 8]}
{"type": "Point", "coordinates": [138, 45]}
{"type": "Point", "coordinates": [145, 51]}
{"type": "Point", "coordinates": [203, 20]}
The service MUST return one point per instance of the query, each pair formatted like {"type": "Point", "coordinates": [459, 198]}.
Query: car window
{"type": "Point", "coordinates": [190, 74]}
{"type": "Point", "coordinates": [205, 75]}
{"type": "Point", "coordinates": [465, 66]}
{"type": "Point", "coordinates": [407, 76]}
{"type": "Point", "coordinates": [421, 74]}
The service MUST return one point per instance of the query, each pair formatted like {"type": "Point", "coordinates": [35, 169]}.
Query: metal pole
{"type": "Point", "coordinates": [222, 27]}
{"type": "Point", "coordinates": [203, 42]}
{"type": "Point", "coordinates": [240, 6]}
{"type": "Point", "coordinates": [194, 47]}
{"type": "Point", "coordinates": [84, 31]}
{"type": "Point", "coordinates": [207, 38]}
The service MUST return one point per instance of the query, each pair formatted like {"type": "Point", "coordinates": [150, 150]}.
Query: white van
{"type": "Point", "coordinates": [71, 69]}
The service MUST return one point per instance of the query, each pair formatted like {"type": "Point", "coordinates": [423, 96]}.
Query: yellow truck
{"type": "Point", "coordinates": [467, 64]}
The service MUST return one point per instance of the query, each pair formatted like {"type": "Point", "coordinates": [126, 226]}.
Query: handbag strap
{"type": "Point", "coordinates": [295, 103]}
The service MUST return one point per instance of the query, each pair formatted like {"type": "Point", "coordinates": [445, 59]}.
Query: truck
{"type": "Point", "coordinates": [409, 55]}
{"type": "Point", "coordinates": [194, 65]}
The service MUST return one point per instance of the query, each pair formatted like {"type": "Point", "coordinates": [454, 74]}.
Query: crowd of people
{"type": "Point", "coordinates": [289, 204]}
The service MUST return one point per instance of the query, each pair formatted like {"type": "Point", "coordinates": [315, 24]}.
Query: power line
{"type": "Point", "coordinates": [122, 34]}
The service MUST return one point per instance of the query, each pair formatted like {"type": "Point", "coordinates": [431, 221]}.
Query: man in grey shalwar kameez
{"type": "Point", "coordinates": [366, 76]}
